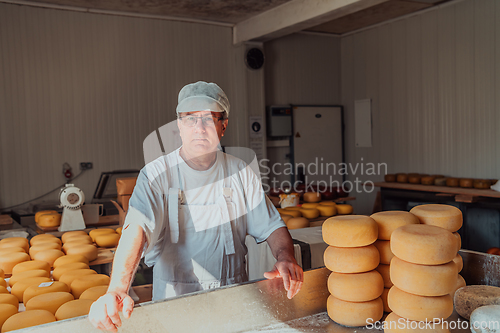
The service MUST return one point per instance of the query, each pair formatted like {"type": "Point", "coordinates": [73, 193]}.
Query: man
{"type": "Point", "coordinates": [190, 213]}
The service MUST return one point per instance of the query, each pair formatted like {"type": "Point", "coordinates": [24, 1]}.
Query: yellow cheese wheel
{"type": "Point", "coordinates": [459, 284]}
{"type": "Point", "coordinates": [428, 180]}
{"type": "Point", "coordinates": [119, 230]}
{"type": "Point", "coordinates": [28, 274]}
{"type": "Point", "coordinates": [43, 238]}
{"type": "Point", "coordinates": [351, 260]}
{"type": "Point", "coordinates": [359, 287]}
{"type": "Point", "coordinates": [14, 242]}
{"type": "Point", "coordinates": [87, 250]}
{"type": "Point", "coordinates": [3, 290]}
{"type": "Point", "coordinates": [9, 299]}
{"type": "Point", "coordinates": [44, 241]}
{"type": "Point", "coordinates": [76, 242]}
{"type": "Point", "coordinates": [60, 270]}
{"type": "Point", "coordinates": [49, 301]}
{"type": "Point", "coordinates": [3, 283]}
{"type": "Point", "coordinates": [7, 311]}
{"type": "Point", "coordinates": [310, 213]}
{"type": "Point", "coordinates": [419, 308]}
{"type": "Point", "coordinates": [6, 251]}
{"type": "Point", "coordinates": [76, 308]}
{"type": "Point", "coordinates": [384, 248]}
{"type": "Point", "coordinates": [414, 179]}
{"type": "Point", "coordinates": [287, 211]}
{"type": "Point", "coordinates": [384, 300]}
{"type": "Point", "coordinates": [423, 244]}
{"type": "Point", "coordinates": [293, 208]}
{"type": "Point", "coordinates": [452, 182]}
{"type": "Point", "coordinates": [310, 204]}
{"type": "Point", "coordinates": [459, 262]}
{"type": "Point", "coordinates": [43, 212]}
{"type": "Point", "coordinates": [95, 232]}
{"type": "Point", "coordinates": [49, 220]}
{"type": "Point", "coordinates": [297, 223]}
{"type": "Point", "coordinates": [78, 238]}
{"type": "Point", "coordinates": [344, 209]}
{"type": "Point", "coordinates": [326, 210]}
{"type": "Point", "coordinates": [327, 203]}
{"type": "Point", "coordinates": [286, 217]}
{"type": "Point", "coordinates": [402, 178]}
{"type": "Point", "coordinates": [107, 240]}
{"type": "Point", "coordinates": [8, 262]}
{"type": "Point", "coordinates": [423, 280]}
{"type": "Point", "coordinates": [44, 288]}
{"type": "Point", "coordinates": [385, 271]}
{"type": "Point", "coordinates": [48, 255]}
{"type": "Point", "coordinates": [27, 319]}
{"type": "Point", "coordinates": [79, 285]}
{"type": "Point", "coordinates": [39, 247]}
{"type": "Point", "coordinates": [68, 259]}
{"type": "Point", "coordinates": [459, 240]}
{"type": "Point", "coordinates": [444, 216]}
{"type": "Point", "coordinates": [389, 221]}
{"type": "Point", "coordinates": [2, 274]}
{"type": "Point", "coordinates": [94, 293]}
{"type": "Point", "coordinates": [30, 265]}
{"type": "Point", "coordinates": [69, 234]}
{"type": "Point", "coordinates": [349, 231]}
{"type": "Point", "coordinates": [312, 197]}
{"type": "Point", "coordinates": [70, 276]}
{"type": "Point", "coordinates": [353, 314]}
{"type": "Point", "coordinates": [20, 287]}
{"type": "Point", "coordinates": [394, 323]}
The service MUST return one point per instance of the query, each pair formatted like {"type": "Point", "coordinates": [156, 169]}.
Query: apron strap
{"type": "Point", "coordinates": [174, 198]}
{"type": "Point", "coordinates": [227, 232]}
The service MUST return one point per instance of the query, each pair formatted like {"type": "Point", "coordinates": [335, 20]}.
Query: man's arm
{"type": "Point", "coordinates": [104, 312]}
{"type": "Point", "coordinates": [281, 245]}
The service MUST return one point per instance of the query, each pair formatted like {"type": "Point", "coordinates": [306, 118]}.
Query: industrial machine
{"type": "Point", "coordinates": [71, 200]}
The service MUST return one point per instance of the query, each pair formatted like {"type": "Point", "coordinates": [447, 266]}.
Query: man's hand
{"type": "Point", "coordinates": [292, 275]}
{"type": "Point", "coordinates": [104, 312]}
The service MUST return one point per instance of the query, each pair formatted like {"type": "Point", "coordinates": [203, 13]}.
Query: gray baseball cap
{"type": "Point", "coordinates": [202, 96]}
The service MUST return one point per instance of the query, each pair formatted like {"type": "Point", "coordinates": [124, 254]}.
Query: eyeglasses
{"type": "Point", "coordinates": [191, 121]}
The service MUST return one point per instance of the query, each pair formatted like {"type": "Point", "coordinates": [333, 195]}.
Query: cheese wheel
{"type": "Point", "coordinates": [297, 223]}
{"type": "Point", "coordinates": [326, 210]}
{"type": "Point", "coordinates": [289, 208]}
{"type": "Point", "coordinates": [424, 280]}
{"type": "Point", "coordinates": [119, 230]}
{"type": "Point", "coordinates": [30, 265]}
{"type": "Point", "coordinates": [39, 247]}
{"type": "Point", "coordinates": [94, 293]}
{"type": "Point", "coordinates": [389, 221]}
{"type": "Point", "coordinates": [460, 283]}
{"type": "Point", "coordinates": [312, 197]}
{"type": "Point", "coordinates": [294, 213]}
{"type": "Point", "coordinates": [353, 314]}
{"type": "Point", "coordinates": [310, 213]}
{"type": "Point", "coordinates": [423, 244]}
{"type": "Point", "coordinates": [20, 287]}
{"type": "Point", "coordinates": [3, 283]}
{"type": "Point", "coordinates": [452, 182]}
{"type": "Point", "coordinates": [43, 238]}
{"type": "Point", "coordinates": [3, 290]}
{"type": "Point", "coordinates": [327, 203]}
{"type": "Point", "coordinates": [310, 204]}
{"type": "Point", "coordinates": [7, 311]}
{"type": "Point", "coordinates": [385, 272]}
{"type": "Point", "coordinates": [8, 262]}
{"type": "Point", "coordinates": [359, 287]}
{"type": "Point", "coordinates": [419, 308]}
{"type": "Point", "coordinates": [459, 262]}
{"type": "Point", "coordinates": [43, 288]}
{"type": "Point", "coordinates": [385, 292]}
{"type": "Point", "coordinates": [14, 242]}
{"type": "Point", "coordinates": [402, 178]}
{"type": "Point", "coordinates": [70, 276]}
{"type": "Point", "coordinates": [286, 217]}
{"type": "Point", "coordinates": [78, 242]}
{"type": "Point", "coordinates": [466, 182]}
{"type": "Point", "coordinates": [50, 301]}
{"type": "Point", "coordinates": [107, 240]}
{"type": "Point", "coordinates": [427, 180]}
{"type": "Point", "coordinates": [48, 255]}
{"type": "Point", "coordinates": [49, 220]}
{"type": "Point", "coordinates": [28, 274]}
{"type": "Point", "coordinates": [27, 319]}
{"type": "Point", "coordinates": [6, 251]}
{"type": "Point", "coordinates": [444, 216]}
{"type": "Point", "coordinates": [95, 232]}
{"type": "Point", "coordinates": [344, 209]}
{"type": "Point", "coordinates": [351, 260]}
{"type": "Point", "coordinates": [9, 299]}
{"type": "Point", "coordinates": [469, 298]}
{"type": "Point", "coordinates": [69, 234]}
{"type": "Point", "coordinates": [440, 181]}
{"type": "Point", "coordinates": [60, 270]}
{"type": "Point", "coordinates": [414, 179]}
{"type": "Point", "coordinates": [76, 308]}
{"type": "Point", "coordinates": [87, 250]}
{"type": "Point", "coordinates": [349, 231]}
{"type": "Point", "coordinates": [459, 240]}
{"type": "Point", "coordinates": [79, 285]}
{"type": "Point", "coordinates": [384, 248]}
{"type": "Point", "coordinates": [394, 323]}
{"type": "Point", "coordinates": [43, 212]}
{"type": "Point", "coordinates": [390, 178]}
{"type": "Point", "coordinates": [2, 274]}
{"type": "Point", "coordinates": [482, 183]}
{"type": "Point", "coordinates": [68, 259]}
{"type": "Point", "coordinates": [78, 239]}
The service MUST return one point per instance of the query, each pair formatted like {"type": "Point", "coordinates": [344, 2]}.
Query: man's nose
{"type": "Point", "coordinates": [199, 126]}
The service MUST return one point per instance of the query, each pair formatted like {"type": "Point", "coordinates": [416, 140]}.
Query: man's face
{"type": "Point", "coordinates": [201, 131]}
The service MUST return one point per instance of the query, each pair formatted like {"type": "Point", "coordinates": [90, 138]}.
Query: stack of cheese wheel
{"type": "Point", "coordinates": [354, 284]}
{"type": "Point", "coordinates": [79, 243]}
{"type": "Point", "coordinates": [344, 209]}
{"type": "Point", "coordinates": [292, 216]}
{"type": "Point", "coordinates": [423, 273]}
{"type": "Point", "coordinates": [387, 222]}
{"type": "Point", "coordinates": [449, 218]}
{"type": "Point", "coordinates": [45, 247]}
{"type": "Point", "coordinates": [105, 237]}
{"type": "Point", "coordinates": [327, 208]}
{"type": "Point", "coordinates": [309, 210]}
{"type": "Point", "coordinates": [13, 250]}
